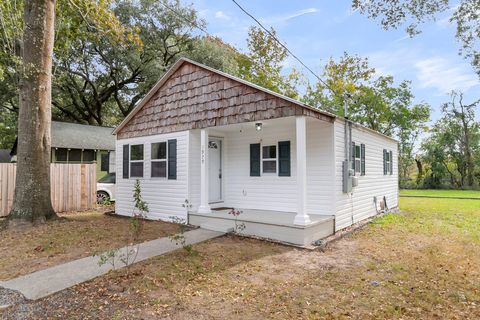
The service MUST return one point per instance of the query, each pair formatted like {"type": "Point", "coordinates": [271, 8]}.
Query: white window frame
{"type": "Point", "coordinates": [159, 160]}
{"type": "Point", "coordinates": [130, 161]}
{"type": "Point", "coordinates": [358, 160]}
{"type": "Point", "coordinates": [262, 159]}
{"type": "Point", "coordinates": [387, 163]}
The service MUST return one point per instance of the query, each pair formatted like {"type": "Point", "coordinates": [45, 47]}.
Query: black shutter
{"type": "Point", "coordinates": [384, 161]}
{"type": "Point", "coordinates": [172, 159]}
{"type": "Point", "coordinates": [255, 160]}
{"type": "Point", "coordinates": [353, 156]}
{"type": "Point", "coordinates": [126, 158]}
{"type": "Point", "coordinates": [362, 146]}
{"type": "Point", "coordinates": [284, 158]}
{"type": "Point", "coordinates": [391, 162]}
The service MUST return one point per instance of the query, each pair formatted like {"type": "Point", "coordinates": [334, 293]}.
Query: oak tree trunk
{"type": "Point", "coordinates": [32, 202]}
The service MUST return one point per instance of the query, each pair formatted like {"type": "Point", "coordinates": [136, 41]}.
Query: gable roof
{"type": "Point", "coordinates": [78, 136]}
{"type": "Point", "coordinates": [183, 61]}
{"type": "Point", "coordinates": [81, 136]}
{"type": "Point", "coordinates": [266, 106]}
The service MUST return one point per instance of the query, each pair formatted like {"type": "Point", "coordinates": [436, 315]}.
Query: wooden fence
{"type": "Point", "coordinates": [73, 186]}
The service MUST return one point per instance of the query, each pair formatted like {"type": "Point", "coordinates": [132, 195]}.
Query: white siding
{"type": "Point", "coordinates": [325, 153]}
{"type": "Point", "coordinates": [269, 191]}
{"type": "Point", "coordinates": [111, 162]}
{"type": "Point", "coordinates": [164, 197]}
{"type": "Point", "coordinates": [359, 205]}
{"type": "Point", "coordinates": [320, 161]}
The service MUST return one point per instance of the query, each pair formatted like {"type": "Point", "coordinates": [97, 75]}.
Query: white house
{"type": "Point", "coordinates": [202, 142]}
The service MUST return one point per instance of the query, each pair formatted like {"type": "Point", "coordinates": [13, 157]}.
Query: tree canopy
{"type": "Point", "coordinates": [374, 101]}
{"type": "Point", "coordinates": [413, 13]}
{"type": "Point", "coordinates": [263, 63]}
{"type": "Point", "coordinates": [452, 151]}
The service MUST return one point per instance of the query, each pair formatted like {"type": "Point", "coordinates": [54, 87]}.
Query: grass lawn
{"type": "Point", "coordinates": [442, 193]}
{"type": "Point", "coordinates": [73, 236]}
{"type": "Point", "coordinates": [420, 264]}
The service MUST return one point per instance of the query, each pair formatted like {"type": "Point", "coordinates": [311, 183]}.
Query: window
{"type": "Point", "coordinates": [357, 159]}
{"type": "Point", "coordinates": [387, 162]}
{"type": "Point", "coordinates": [104, 161]}
{"type": "Point", "coordinates": [136, 161]}
{"type": "Point", "coordinates": [391, 162]}
{"type": "Point", "coordinates": [61, 155]}
{"type": "Point", "coordinates": [159, 159]}
{"type": "Point", "coordinates": [269, 159]}
{"type": "Point", "coordinates": [74, 155]}
{"type": "Point", "coordinates": [88, 156]}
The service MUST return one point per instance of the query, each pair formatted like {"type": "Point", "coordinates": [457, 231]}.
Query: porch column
{"type": "Point", "coordinates": [302, 217]}
{"type": "Point", "coordinates": [204, 206]}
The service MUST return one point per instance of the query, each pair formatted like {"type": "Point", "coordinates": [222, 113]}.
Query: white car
{"type": "Point", "coordinates": [106, 188]}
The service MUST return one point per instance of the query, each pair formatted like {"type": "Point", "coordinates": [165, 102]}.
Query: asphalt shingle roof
{"type": "Point", "coordinates": [80, 136]}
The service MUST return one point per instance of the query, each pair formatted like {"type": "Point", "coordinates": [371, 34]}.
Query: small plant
{"type": "Point", "coordinates": [179, 236]}
{"type": "Point", "coordinates": [107, 257]}
{"type": "Point", "coordinates": [128, 256]}
{"type": "Point", "coordinates": [239, 227]}
{"type": "Point", "coordinates": [105, 202]}
{"type": "Point", "coordinates": [187, 205]}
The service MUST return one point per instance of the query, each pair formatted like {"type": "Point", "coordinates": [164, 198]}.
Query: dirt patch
{"type": "Point", "coordinates": [237, 278]}
{"type": "Point", "coordinates": [394, 268]}
{"type": "Point", "coordinates": [73, 236]}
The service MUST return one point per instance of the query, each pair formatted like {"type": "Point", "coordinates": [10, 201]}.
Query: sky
{"type": "Point", "coordinates": [319, 30]}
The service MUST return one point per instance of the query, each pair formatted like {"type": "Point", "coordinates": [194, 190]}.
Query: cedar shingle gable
{"type": "Point", "coordinates": [194, 98]}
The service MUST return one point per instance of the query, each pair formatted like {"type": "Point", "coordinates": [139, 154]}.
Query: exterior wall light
{"type": "Point", "coordinates": [258, 126]}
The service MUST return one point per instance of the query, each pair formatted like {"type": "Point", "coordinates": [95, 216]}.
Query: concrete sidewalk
{"type": "Point", "coordinates": [46, 282]}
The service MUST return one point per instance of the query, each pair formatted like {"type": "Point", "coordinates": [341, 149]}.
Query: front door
{"type": "Point", "coordinates": [215, 170]}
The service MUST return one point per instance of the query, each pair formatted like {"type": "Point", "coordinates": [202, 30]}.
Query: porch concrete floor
{"type": "Point", "coordinates": [278, 218]}
{"type": "Point", "coordinates": [274, 225]}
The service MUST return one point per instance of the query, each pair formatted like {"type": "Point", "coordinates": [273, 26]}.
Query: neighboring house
{"type": "Point", "coordinates": [5, 156]}
{"type": "Point", "coordinates": [202, 142]}
{"type": "Point", "coordinates": [79, 143]}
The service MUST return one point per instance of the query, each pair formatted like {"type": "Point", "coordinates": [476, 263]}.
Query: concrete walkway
{"type": "Point", "coordinates": [46, 282]}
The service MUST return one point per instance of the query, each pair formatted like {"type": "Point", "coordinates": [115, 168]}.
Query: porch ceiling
{"type": "Point", "coordinates": [251, 125]}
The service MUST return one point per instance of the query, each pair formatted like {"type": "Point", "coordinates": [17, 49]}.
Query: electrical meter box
{"type": "Point", "coordinates": [347, 176]}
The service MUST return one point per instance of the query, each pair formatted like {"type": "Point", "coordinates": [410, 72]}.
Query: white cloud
{"type": "Point", "coordinates": [281, 19]}
{"type": "Point", "coordinates": [441, 74]}
{"type": "Point", "coordinates": [402, 38]}
{"type": "Point", "coordinates": [392, 62]}
{"type": "Point", "coordinates": [436, 72]}
{"type": "Point", "coordinates": [222, 15]}
{"type": "Point", "coordinates": [444, 22]}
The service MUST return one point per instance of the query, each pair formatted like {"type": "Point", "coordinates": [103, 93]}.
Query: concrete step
{"type": "Point", "coordinates": [271, 229]}
{"type": "Point", "coordinates": [219, 226]}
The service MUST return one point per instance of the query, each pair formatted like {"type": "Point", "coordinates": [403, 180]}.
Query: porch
{"type": "Point", "coordinates": [273, 225]}
{"type": "Point", "coordinates": [278, 171]}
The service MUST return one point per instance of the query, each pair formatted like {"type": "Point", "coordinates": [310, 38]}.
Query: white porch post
{"type": "Point", "coordinates": [204, 206]}
{"type": "Point", "coordinates": [302, 217]}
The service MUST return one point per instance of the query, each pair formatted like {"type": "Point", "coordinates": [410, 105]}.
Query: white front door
{"type": "Point", "coordinates": [215, 170]}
